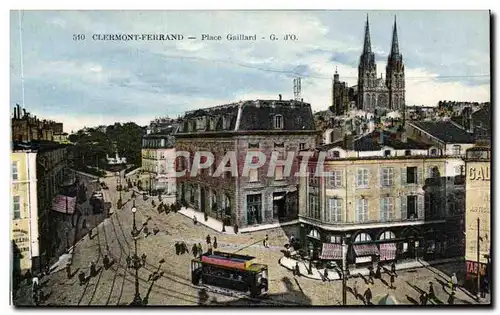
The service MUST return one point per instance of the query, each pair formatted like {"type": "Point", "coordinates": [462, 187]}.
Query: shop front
{"type": "Point", "coordinates": [471, 271]}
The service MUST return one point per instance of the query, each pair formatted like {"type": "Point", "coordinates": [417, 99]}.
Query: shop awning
{"type": "Point", "coordinates": [64, 204]}
{"type": "Point", "coordinates": [331, 251]}
{"type": "Point", "coordinates": [388, 251]}
{"type": "Point", "coordinates": [366, 250]}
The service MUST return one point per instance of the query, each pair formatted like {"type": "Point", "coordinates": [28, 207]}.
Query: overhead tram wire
{"type": "Point", "coordinates": [291, 72]}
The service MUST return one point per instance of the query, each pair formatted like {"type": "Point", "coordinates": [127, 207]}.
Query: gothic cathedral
{"type": "Point", "coordinates": [375, 93]}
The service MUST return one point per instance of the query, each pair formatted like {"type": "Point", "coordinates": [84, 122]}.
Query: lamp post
{"type": "Point", "coordinates": [119, 184]}
{"type": "Point", "coordinates": [478, 294]}
{"type": "Point", "coordinates": [136, 261]}
{"type": "Point", "coordinates": [344, 269]}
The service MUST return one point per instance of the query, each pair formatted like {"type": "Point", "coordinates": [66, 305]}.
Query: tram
{"type": "Point", "coordinates": [232, 272]}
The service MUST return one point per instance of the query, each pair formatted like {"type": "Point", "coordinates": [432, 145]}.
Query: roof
{"type": "Point", "coordinates": [445, 131]}
{"type": "Point", "coordinates": [370, 142]}
{"type": "Point", "coordinates": [256, 115]}
{"type": "Point", "coordinates": [64, 204]}
{"type": "Point", "coordinates": [37, 145]}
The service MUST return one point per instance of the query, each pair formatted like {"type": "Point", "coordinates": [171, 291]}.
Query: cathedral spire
{"type": "Point", "coordinates": [395, 44]}
{"type": "Point", "coordinates": [367, 48]}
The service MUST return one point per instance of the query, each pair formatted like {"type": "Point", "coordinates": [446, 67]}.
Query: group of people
{"type": "Point", "coordinates": [93, 271]}
{"type": "Point", "coordinates": [181, 248]}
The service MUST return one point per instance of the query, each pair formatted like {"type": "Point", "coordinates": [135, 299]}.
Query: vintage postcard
{"type": "Point", "coordinates": [250, 158]}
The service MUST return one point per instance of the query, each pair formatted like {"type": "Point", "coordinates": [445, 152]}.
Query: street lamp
{"type": "Point", "coordinates": [119, 185]}
{"type": "Point", "coordinates": [136, 261]}
{"type": "Point", "coordinates": [344, 268]}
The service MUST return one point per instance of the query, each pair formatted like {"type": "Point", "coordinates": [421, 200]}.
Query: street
{"type": "Point", "coordinates": [115, 286]}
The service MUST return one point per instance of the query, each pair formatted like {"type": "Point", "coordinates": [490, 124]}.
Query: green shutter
{"type": "Point", "coordinates": [328, 210]}
{"type": "Point", "coordinates": [403, 208]}
{"type": "Point", "coordinates": [420, 207]}
{"type": "Point", "coordinates": [382, 177]}
{"type": "Point", "coordinates": [383, 216]}
{"type": "Point", "coordinates": [420, 177]}
{"type": "Point", "coordinates": [403, 176]}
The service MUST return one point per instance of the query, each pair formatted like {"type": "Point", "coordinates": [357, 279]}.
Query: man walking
{"type": "Point", "coordinates": [215, 242]}
{"type": "Point", "coordinates": [200, 249]}
{"type": "Point", "coordinates": [68, 270]}
{"type": "Point", "coordinates": [392, 282]}
{"type": "Point", "coordinates": [431, 291]}
{"type": "Point", "coordinates": [208, 239]}
{"type": "Point", "coordinates": [454, 282]}
{"type": "Point", "coordinates": [194, 249]}
{"type": "Point", "coordinates": [393, 268]}
{"type": "Point", "coordinates": [266, 241]}
{"type": "Point", "coordinates": [368, 295]}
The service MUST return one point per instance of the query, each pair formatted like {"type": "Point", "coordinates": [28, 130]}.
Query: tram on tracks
{"type": "Point", "coordinates": [231, 272]}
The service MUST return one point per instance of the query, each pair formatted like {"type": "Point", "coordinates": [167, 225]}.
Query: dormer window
{"type": "Point", "coordinates": [407, 152]}
{"type": "Point", "coordinates": [387, 153]}
{"type": "Point", "coordinates": [433, 151]}
{"type": "Point", "coordinates": [336, 154]}
{"type": "Point", "coordinates": [278, 122]}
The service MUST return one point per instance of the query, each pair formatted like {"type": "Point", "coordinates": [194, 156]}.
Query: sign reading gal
{"type": "Point", "coordinates": [479, 173]}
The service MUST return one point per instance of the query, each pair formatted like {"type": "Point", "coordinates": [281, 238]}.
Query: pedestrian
{"type": "Point", "coordinates": [128, 261]}
{"type": "Point", "coordinates": [370, 275]}
{"type": "Point", "coordinates": [155, 230]}
{"type": "Point", "coordinates": [185, 247]}
{"type": "Point", "coordinates": [194, 249]}
{"type": "Point", "coordinates": [177, 248]}
{"type": "Point", "coordinates": [81, 277]}
{"type": "Point", "coordinates": [208, 239]}
{"type": "Point", "coordinates": [146, 231]}
{"type": "Point", "coordinates": [105, 262]}
{"type": "Point", "coordinates": [393, 268]}
{"type": "Point", "coordinates": [355, 289]}
{"type": "Point", "coordinates": [143, 258]}
{"type": "Point", "coordinates": [266, 240]}
{"type": "Point", "coordinates": [90, 231]}
{"type": "Point", "coordinates": [68, 270]}
{"type": "Point", "coordinates": [35, 283]}
{"type": "Point", "coordinates": [325, 276]}
{"type": "Point", "coordinates": [292, 240]}
{"type": "Point", "coordinates": [392, 282]}
{"type": "Point", "coordinates": [195, 220]}
{"type": "Point", "coordinates": [454, 282]}
{"type": "Point", "coordinates": [368, 295]}
{"type": "Point", "coordinates": [451, 298]}
{"type": "Point", "coordinates": [93, 271]}
{"type": "Point", "coordinates": [200, 249]}
{"type": "Point", "coordinates": [423, 298]}
{"type": "Point", "coordinates": [431, 291]}
{"type": "Point", "coordinates": [297, 269]}
{"type": "Point", "coordinates": [378, 273]}
{"type": "Point", "coordinates": [215, 242]}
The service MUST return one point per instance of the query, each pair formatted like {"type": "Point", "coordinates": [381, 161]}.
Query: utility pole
{"type": "Point", "coordinates": [344, 273]}
{"type": "Point", "coordinates": [478, 295]}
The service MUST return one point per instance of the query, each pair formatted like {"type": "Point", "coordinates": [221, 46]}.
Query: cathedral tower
{"type": "Point", "coordinates": [367, 74]}
{"type": "Point", "coordinates": [395, 74]}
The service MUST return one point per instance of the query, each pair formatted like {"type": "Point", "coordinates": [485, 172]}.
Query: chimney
{"type": "Point", "coordinates": [24, 112]}
{"type": "Point", "coordinates": [302, 100]}
{"type": "Point", "coordinates": [18, 111]}
{"type": "Point", "coordinates": [279, 96]}
{"type": "Point", "coordinates": [15, 112]}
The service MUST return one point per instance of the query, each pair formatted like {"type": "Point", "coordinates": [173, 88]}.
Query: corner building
{"type": "Point", "coordinates": [260, 125]}
{"type": "Point", "coordinates": [381, 193]}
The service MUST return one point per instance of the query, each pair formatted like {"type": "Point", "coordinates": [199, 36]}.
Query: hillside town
{"type": "Point", "coordinates": [391, 204]}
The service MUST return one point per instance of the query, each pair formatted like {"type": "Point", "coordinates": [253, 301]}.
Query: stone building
{"type": "Point", "coordinates": [38, 169]}
{"type": "Point", "coordinates": [382, 193]}
{"type": "Point", "coordinates": [26, 127]}
{"type": "Point", "coordinates": [478, 233]}
{"type": "Point", "coordinates": [158, 156]}
{"type": "Point", "coordinates": [261, 125]}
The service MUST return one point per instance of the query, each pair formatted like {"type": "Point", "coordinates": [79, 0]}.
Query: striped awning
{"type": "Point", "coordinates": [331, 251]}
{"type": "Point", "coordinates": [366, 250]}
{"type": "Point", "coordinates": [388, 251]}
{"type": "Point", "coordinates": [64, 204]}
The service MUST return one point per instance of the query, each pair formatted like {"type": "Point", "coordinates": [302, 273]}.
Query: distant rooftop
{"type": "Point", "coordinates": [445, 131]}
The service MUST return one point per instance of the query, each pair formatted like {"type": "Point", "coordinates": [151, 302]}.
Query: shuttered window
{"type": "Point", "coordinates": [361, 210]}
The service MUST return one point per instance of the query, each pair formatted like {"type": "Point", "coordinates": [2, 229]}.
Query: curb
{"type": "Point", "coordinates": [211, 228]}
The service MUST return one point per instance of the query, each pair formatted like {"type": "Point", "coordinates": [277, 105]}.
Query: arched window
{"type": "Point", "coordinates": [362, 237]}
{"type": "Point", "coordinates": [387, 235]}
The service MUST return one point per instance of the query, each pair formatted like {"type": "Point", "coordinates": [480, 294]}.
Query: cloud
{"type": "Point", "coordinates": [138, 80]}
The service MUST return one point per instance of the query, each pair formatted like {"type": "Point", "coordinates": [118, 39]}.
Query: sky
{"type": "Point", "coordinates": [89, 82]}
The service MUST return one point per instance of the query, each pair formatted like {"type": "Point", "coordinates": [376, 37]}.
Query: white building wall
{"type": "Point", "coordinates": [33, 205]}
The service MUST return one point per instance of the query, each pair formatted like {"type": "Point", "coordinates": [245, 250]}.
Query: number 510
{"type": "Point", "coordinates": [78, 36]}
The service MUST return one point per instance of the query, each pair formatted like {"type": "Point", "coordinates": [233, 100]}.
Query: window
{"type": "Point", "coordinates": [386, 209]}
{"type": "Point", "coordinates": [387, 235]}
{"type": "Point", "coordinates": [411, 210]}
{"type": "Point", "coordinates": [407, 152]}
{"type": "Point", "coordinates": [387, 178]}
{"type": "Point", "coordinates": [459, 170]}
{"type": "Point", "coordinates": [253, 175]}
{"type": "Point", "coordinates": [253, 145]}
{"type": "Point", "coordinates": [334, 210]}
{"type": "Point", "coordinates": [362, 237]}
{"type": "Point", "coordinates": [411, 175]}
{"type": "Point", "coordinates": [314, 206]}
{"type": "Point", "coordinates": [362, 178]}
{"type": "Point", "coordinates": [336, 154]}
{"type": "Point", "coordinates": [335, 179]}
{"type": "Point", "coordinates": [433, 172]}
{"type": "Point", "coordinates": [456, 150]}
{"type": "Point", "coordinates": [336, 239]}
{"type": "Point", "coordinates": [313, 180]}
{"type": "Point", "coordinates": [278, 173]}
{"type": "Point", "coordinates": [433, 151]}
{"type": "Point", "coordinates": [15, 171]}
{"type": "Point", "coordinates": [17, 207]}
{"type": "Point", "coordinates": [387, 153]}
{"type": "Point", "coordinates": [302, 146]}
{"type": "Point", "coordinates": [278, 122]}
{"type": "Point", "coordinates": [361, 210]}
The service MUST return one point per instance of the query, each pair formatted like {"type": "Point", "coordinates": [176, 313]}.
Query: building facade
{"type": "Point", "coordinates": [27, 127]}
{"type": "Point", "coordinates": [158, 157]}
{"type": "Point", "coordinates": [265, 126]}
{"type": "Point", "coordinates": [478, 218]}
{"type": "Point", "coordinates": [382, 194]}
